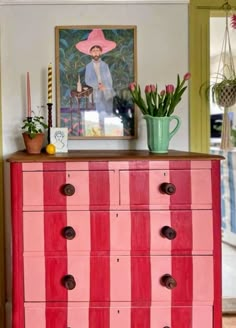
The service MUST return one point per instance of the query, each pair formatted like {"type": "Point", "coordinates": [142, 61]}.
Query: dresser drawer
{"type": "Point", "coordinates": [155, 232]}
{"type": "Point", "coordinates": [166, 188]}
{"type": "Point", "coordinates": [68, 188]}
{"type": "Point", "coordinates": [116, 316]}
{"type": "Point", "coordinates": [119, 278]}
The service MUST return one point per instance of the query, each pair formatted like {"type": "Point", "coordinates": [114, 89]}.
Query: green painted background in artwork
{"type": "Point", "coordinates": [72, 62]}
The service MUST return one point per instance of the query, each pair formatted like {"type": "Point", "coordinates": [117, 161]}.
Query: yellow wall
{"type": "Point", "coordinates": [199, 57]}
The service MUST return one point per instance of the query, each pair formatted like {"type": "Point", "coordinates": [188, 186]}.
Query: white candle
{"type": "Point", "coordinates": [50, 84]}
{"type": "Point", "coordinates": [28, 96]}
{"type": "Point", "coordinates": [79, 87]}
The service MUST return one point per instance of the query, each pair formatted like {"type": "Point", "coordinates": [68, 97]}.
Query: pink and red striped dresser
{"type": "Point", "coordinates": [116, 239]}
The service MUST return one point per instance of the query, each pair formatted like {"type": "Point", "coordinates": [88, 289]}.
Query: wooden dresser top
{"type": "Point", "coordinates": [111, 155]}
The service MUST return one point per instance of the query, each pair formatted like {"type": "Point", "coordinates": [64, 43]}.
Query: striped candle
{"type": "Point", "coordinates": [50, 84]}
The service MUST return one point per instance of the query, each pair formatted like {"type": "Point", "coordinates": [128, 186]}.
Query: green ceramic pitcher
{"type": "Point", "coordinates": [158, 132]}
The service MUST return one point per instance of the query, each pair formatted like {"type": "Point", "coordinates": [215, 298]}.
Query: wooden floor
{"type": "Point", "coordinates": [229, 321]}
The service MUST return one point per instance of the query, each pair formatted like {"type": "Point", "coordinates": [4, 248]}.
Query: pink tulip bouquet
{"type": "Point", "coordinates": [162, 103]}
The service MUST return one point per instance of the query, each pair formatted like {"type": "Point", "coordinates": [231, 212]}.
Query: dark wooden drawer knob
{"type": "Point", "coordinates": [166, 327]}
{"type": "Point", "coordinates": [69, 282]}
{"type": "Point", "coordinates": [68, 233]}
{"type": "Point", "coordinates": [168, 281]}
{"type": "Point", "coordinates": [168, 188]}
{"type": "Point", "coordinates": [68, 189]}
{"type": "Point", "coordinates": [168, 232]}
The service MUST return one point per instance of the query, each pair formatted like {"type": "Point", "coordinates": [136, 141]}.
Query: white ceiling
{"type": "Point", "coordinates": [68, 2]}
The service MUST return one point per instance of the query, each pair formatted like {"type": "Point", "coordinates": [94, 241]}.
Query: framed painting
{"type": "Point", "coordinates": [94, 67]}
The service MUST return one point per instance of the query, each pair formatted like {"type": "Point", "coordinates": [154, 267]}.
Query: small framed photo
{"type": "Point", "coordinates": [59, 138]}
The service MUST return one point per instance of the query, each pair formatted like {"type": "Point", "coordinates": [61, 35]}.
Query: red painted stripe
{"type": "Point", "coordinates": [55, 267]}
{"type": "Point", "coordinates": [99, 184]}
{"type": "Point", "coordinates": [181, 317]}
{"type": "Point", "coordinates": [182, 180]}
{"type": "Point", "coordinates": [140, 232]}
{"type": "Point", "coordinates": [99, 279]}
{"type": "Point", "coordinates": [217, 308]}
{"type": "Point", "coordinates": [54, 222]}
{"type": "Point", "coordinates": [182, 272]}
{"type": "Point", "coordinates": [53, 182]}
{"type": "Point", "coordinates": [139, 184]}
{"type": "Point", "coordinates": [181, 222]}
{"type": "Point", "coordinates": [56, 317]}
{"type": "Point", "coordinates": [100, 231]}
{"type": "Point", "coordinates": [140, 279]}
{"type": "Point", "coordinates": [18, 320]}
{"type": "Point", "coordinates": [140, 317]}
{"type": "Point", "coordinates": [99, 192]}
{"type": "Point", "coordinates": [99, 318]}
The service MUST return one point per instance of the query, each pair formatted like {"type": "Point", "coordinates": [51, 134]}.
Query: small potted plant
{"type": "Point", "coordinates": [33, 134]}
{"type": "Point", "coordinates": [223, 90]}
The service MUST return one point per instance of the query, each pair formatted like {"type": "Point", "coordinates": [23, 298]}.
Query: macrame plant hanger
{"type": "Point", "coordinates": [227, 96]}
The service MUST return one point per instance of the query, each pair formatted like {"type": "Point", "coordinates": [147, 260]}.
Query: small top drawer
{"type": "Point", "coordinates": [186, 188]}
{"type": "Point", "coordinates": [68, 188]}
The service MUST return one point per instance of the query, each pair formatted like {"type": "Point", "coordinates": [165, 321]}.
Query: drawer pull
{"type": "Point", "coordinates": [69, 282]}
{"type": "Point", "coordinates": [168, 232]}
{"type": "Point", "coordinates": [68, 189]}
{"type": "Point", "coordinates": [68, 233]}
{"type": "Point", "coordinates": [168, 281]}
{"type": "Point", "coordinates": [168, 188]}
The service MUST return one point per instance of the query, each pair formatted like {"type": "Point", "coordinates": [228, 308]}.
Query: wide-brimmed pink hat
{"type": "Point", "coordinates": [95, 38]}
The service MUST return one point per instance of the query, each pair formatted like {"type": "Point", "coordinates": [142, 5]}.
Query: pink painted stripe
{"type": "Point", "coordinates": [215, 181]}
{"type": "Point", "coordinates": [120, 231]}
{"type": "Point", "coordinates": [35, 316]}
{"type": "Point", "coordinates": [33, 192]}
{"type": "Point", "coordinates": [33, 225]}
{"type": "Point", "coordinates": [120, 278]}
{"type": "Point", "coordinates": [202, 316]}
{"type": "Point", "coordinates": [17, 244]}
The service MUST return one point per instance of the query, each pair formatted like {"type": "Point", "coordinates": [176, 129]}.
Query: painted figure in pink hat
{"type": "Point", "coordinates": [97, 73]}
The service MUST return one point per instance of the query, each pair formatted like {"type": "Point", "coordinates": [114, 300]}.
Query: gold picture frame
{"type": "Point", "coordinates": [94, 67]}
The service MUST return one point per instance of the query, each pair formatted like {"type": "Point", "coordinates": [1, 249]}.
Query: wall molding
{"type": "Point", "coordinates": [77, 2]}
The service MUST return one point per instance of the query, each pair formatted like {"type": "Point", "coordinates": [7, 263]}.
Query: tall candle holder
{"type": "Point", "coordinates": [49, 120]}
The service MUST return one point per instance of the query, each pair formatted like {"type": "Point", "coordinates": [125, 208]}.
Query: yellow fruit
{"type": "Point", "coordinates": [50, 149]}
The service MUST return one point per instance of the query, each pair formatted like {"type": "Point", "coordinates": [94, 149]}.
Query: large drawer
{"type": "Point", "coordinates": [116, 316]}
{"type": "Point", "coordinates": [189, 279]}
{"type": "Point", "coordinates": [186, 188]}
{"type": "Point", "coordinates": [155, 232]}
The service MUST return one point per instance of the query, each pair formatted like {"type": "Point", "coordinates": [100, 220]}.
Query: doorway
{"type": "Point", "coordinates": [201, 12]}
